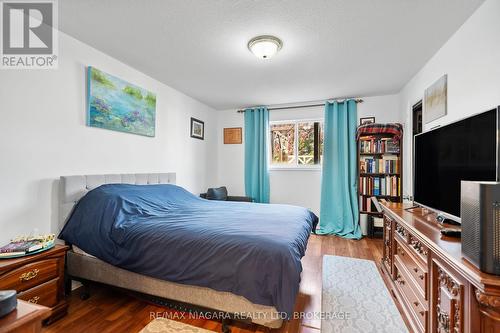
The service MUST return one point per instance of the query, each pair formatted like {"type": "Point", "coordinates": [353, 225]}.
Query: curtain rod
{"type": "Point", "coordinates": [357, 100]}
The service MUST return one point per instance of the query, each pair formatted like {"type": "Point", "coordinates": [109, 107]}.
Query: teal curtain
{"type": "Point", "coordinates": [256, 168]}
{"type": "Point", "coordinates": [339, 214]}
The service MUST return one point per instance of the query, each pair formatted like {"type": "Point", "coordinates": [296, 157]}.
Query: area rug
{"type": "Point", "coordinates": [355, 298]}
{"type": "Point", "coordinates": [164, 325]}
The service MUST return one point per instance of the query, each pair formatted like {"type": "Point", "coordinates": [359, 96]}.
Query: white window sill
{"type": "Point", "coordinates": [295, 168]}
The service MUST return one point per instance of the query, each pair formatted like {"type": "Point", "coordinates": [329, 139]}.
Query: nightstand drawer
{"type": "Point", "coordinates": [30, 275]}
{"type": "Point", "coordinates": [44, 294]}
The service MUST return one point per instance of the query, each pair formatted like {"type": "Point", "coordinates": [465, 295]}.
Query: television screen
{"type": "Point", "coordinates": [464, 150]}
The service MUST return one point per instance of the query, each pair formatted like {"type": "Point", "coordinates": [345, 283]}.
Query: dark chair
{"type": "Point", "coordinates": [220, 193]}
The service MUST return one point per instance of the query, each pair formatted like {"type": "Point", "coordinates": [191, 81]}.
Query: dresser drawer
{"type": "Point", "coordinates": [412, 302]}
{"type": "Point", "coordinates": [400, 232]}
{"type": "Point", "coordinates": [416, 247]}
{"type": "Point", "coordinates": [419, 249]}
{"type": "Point", "coordinates": [30, 275]}
{"type": "Point", "coordinates": [416, 270]}
{"type": "Point", "coordinates": [44, 294]}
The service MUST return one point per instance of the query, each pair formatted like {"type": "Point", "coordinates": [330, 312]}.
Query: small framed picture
{"type": "Point", "coordinates": [367, 120]}
{"type": "Point", "coordinates": [232, 136]}
{"type": "Point", "coordinates": [197, 129]}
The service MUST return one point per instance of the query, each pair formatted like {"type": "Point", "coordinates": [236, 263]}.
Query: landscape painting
{"type": "Point", "coordinates": [117, 105]}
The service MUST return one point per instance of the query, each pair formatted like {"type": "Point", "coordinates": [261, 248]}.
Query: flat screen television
{"type": "Point", "coordinates": [463, 150]}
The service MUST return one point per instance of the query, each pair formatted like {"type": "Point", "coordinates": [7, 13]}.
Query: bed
{"type": "Point", "coordinates": [142, 233]}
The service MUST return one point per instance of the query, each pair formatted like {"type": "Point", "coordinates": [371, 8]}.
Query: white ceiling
{"type": "Point", "coordinates": [332, 48]}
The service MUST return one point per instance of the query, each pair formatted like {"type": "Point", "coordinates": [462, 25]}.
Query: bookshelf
{"type": "Point", "coordinates": [380, 173]}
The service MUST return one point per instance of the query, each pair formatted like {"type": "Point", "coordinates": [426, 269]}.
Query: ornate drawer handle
{"type": "Point", "coordinates": [416, 303]}
{"type": "Point", "coordinates": [422, 313]}
{"type": "Point", "coordinates": [34, 299]}
{"type": "Point", "coordinates": [415, 269]}
{"type": "Point", "coordinates": [399, 279]}
{"type": "Point", "coordinates": [29, 275]}
{"type": "Point", "coordinates": [418, 247]}
{"type": "Point", "coordinates": [421, 276]}
{"type": "Point", "coordinates": [443, 320]}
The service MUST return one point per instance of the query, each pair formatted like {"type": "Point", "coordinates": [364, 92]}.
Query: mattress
{"type": "Point", "coordinates": [76, 249]}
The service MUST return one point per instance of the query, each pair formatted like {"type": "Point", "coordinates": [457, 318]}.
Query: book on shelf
{"type": "Point", "coordinates": [384, 186]}
{"type": "Point", "coordinates": [362, 166]}
{"type": "Point", "coordinates": [392, 146]}
{"type": "Point", "coordinates": [376, 186]}
{"type": "Point", "coordinates": [365, 204]}
{"type": "Point", "coordinates": [386, 164]}
{"type": "Point", "coordinates": [381, 145]}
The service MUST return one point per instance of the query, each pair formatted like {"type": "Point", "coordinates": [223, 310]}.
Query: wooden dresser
{"type": "Point", "coordinates": [438, 290]}
{"type": "Point", "coordinates": [38, 279]}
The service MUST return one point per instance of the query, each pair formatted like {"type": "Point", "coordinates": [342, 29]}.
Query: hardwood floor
{"type": "Point", "coordinates": [109, 310]}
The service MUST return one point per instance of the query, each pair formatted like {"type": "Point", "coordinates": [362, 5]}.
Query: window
{"type": "Point", "coordinates": [296, 143]}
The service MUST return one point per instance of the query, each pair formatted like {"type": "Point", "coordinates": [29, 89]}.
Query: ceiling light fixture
{"type": "Point", "coordinates": [264, 47]}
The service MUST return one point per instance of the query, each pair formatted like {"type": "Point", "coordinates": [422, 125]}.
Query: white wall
{"type": "Point", "coordinates": [43, 136]}
{"type": "Point", "coordinates": [298, 187]}
{"type": "Point", "coordinates": [471, 58]}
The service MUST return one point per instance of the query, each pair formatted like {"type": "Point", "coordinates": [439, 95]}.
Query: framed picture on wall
{"type": "Point", "coordinates": [197, 129]}
{"type": "Point", "coordinates": [232, 136]}
{"type": "Point", "coordinates": [367, 120]}
{"type": "Point", "coordinates": [435, 100]}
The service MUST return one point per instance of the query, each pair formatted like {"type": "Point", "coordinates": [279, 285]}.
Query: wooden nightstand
{"type": "Point", "coordinates": [38, 278]}
{"type": "Point", "coordinates": [26, 318]}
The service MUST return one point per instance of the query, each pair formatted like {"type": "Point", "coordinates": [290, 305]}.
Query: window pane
{"type": "Point", "coordinates": [310, 143]}
{"type": "Point", "coordinates": [283, 140]}
{"type": "Point", "coordinates": [306, 143]}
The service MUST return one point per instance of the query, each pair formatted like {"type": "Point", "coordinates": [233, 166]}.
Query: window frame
{"type": "Point", "coordinates": [296, 166]}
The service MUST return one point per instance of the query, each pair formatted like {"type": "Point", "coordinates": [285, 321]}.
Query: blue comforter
{"type": "Point", "coordinates": [251, 250]}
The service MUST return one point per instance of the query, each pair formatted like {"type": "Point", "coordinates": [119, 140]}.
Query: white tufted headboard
{"type": "Point", "coordinates": [72, 188]}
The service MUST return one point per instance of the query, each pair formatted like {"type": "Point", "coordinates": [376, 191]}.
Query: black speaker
{"type": "Point", "coordinates": [480, 214]}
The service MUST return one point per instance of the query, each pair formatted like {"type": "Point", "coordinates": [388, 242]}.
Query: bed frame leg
{"type": "Point", "coordinates": [225, 326]}
{"type": "Point", "coordinates": [84, 292]}
{"type": "Point", "coordinates": [67, 285]}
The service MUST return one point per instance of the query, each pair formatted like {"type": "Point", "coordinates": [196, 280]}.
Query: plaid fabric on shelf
{"type": "Point", "coordinates": [396, 129]}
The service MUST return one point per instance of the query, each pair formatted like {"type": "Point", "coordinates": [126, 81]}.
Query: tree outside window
{"type": "Point", "coordinates": [296, 143]}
